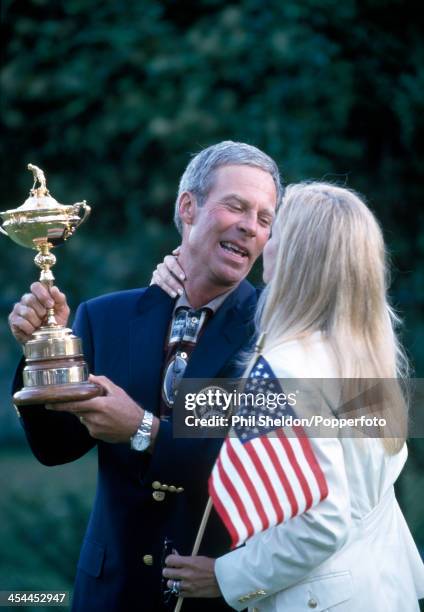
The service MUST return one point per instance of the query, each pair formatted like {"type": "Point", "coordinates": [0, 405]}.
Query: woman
{"type": "Point", "coordinates": [326, 315]}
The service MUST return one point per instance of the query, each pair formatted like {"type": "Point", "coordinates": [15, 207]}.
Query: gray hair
{"type": "Point", "coordinates": [199, 174]}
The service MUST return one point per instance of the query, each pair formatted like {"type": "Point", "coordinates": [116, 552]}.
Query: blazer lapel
{"type": "Point", "coordinates": [147, 341]}
{"type": "Point", "coordinates": [229, 329]}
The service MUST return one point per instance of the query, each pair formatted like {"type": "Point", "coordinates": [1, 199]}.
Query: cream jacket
{"type": "Point", "coordinates": [351, 552]}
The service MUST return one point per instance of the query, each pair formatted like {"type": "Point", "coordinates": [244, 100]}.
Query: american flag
{"type": "Point", "coordinates": [264, 475]}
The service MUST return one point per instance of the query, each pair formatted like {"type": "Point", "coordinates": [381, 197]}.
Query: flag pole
{"type": "Point", "coordinates": [197, 543]}
{"type": "Point", "coordinates": [202, 527]}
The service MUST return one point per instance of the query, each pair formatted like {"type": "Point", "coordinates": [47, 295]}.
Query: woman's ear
{"type": "Point", "coordinates": [187, 207]}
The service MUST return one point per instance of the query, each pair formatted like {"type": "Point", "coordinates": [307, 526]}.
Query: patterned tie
{"type": "Point", "coordinates": [186, 328]}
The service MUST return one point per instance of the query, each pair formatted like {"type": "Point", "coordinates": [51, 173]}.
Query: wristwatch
{"type": "Point", "coordinates": [143, 436]}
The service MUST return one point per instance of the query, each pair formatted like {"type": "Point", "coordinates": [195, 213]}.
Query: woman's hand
{"type": "Point", "coordinates": [169, 275]}
{"type": "Point", "coordinates": [196, 575]}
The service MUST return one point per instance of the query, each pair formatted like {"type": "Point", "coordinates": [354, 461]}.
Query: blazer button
{"type": "Point", "coordinates": [180, 489]}
{"type": "Point", "coordinates": [172, 489]}
{"type": "Point", "coordinates": [158, 495]}
{"type": "Point", "coordinates": [156, 484]}
{"type": "Point", "coordinates": [148, 560]}
{"type": "Point", "coordinates": [312, 603]}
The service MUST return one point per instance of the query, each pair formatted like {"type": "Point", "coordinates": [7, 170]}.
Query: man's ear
{"type": "Point", "coordinates": [187, 207]}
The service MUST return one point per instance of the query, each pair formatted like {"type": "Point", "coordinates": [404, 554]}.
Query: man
{"type": "Point", "coordinates": [151, 485]}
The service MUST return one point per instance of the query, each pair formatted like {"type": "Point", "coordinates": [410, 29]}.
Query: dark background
{"type": "Point", "coordinates": [111, 98]}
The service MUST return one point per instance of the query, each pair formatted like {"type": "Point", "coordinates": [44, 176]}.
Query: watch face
{"type": "Point", "coordinates": [140, 442]}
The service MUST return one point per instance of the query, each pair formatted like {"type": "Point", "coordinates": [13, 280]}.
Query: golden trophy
{"type": "Point", "coordinates": [55, 369]}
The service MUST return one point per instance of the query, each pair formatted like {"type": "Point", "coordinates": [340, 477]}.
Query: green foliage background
{"type": "Point", "coordinates": [111, 98]}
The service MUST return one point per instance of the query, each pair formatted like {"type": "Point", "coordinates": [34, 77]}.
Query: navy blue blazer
{"type": "Point", "coordinates": [123, 338]}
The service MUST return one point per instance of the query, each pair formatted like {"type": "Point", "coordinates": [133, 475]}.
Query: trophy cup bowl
{"type": "Point", "coordinates": [55, 369]}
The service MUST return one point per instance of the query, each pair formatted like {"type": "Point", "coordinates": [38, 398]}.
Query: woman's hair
{"type": "Point", "coordinates": [331, 275]}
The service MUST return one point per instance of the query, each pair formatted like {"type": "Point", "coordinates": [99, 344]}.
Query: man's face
{"type": "Point", "coordinates": [229, 231]}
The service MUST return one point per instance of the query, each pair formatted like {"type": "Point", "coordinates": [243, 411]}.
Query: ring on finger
{"type": "Point", "coordinates": [176, 587]}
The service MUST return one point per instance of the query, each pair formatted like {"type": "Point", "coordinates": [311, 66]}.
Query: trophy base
{"type": "Point", "coordinates": [55, 370]}
{"type": "Point", "coordinates": [52, 394]}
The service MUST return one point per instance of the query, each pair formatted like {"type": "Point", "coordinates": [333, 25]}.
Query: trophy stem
{"type": "Point", "coordinates": [46, 260]}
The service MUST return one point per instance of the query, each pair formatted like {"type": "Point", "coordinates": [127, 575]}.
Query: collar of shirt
{"type": "Point", "coordinates": [213, 304]}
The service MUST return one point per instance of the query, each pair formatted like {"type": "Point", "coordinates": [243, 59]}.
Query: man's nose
{"type": "Point", "coordinates": [248, 225]}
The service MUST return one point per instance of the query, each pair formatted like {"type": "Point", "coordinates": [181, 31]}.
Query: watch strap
{"type": "Point", "coordinates": [142, 436]}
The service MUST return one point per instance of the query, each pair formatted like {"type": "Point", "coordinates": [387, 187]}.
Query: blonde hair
{"type": "Point", "coordinates": [331, 275]}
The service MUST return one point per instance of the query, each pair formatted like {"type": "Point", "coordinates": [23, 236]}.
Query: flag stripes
{"type": "Point", "coordinates": [264, 477]}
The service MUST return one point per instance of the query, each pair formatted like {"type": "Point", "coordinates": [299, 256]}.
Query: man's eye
{"type": "Point", "coordinates": [234, 206]}
{"type": "Point", "coordinates": [265, 221]}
